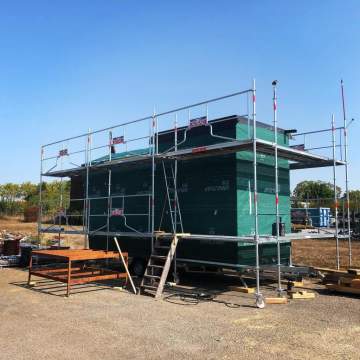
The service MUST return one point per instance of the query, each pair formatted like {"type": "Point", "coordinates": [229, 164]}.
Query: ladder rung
{"type": "Point", "coordinates": [160, 257]}
{"type": "Point", "coordinates": [152, 276]}
{"type": "Point", "coordinates": [156, 266]}
{"type": "Point", "coordinates": [149, 287]}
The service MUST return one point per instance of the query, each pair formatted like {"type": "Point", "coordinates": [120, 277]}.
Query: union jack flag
{"type": "Point", "coordinates": [200, 121]}
{"type": "Point", "coordinates": [118, 140]}
{"type": "Point", "coordinates": [300, 147]}
{"type": "Point", "coordinates": [63, 152]}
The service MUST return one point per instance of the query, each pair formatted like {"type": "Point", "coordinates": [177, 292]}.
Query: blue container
{"type": "Point", "coordinates": [320, 217]}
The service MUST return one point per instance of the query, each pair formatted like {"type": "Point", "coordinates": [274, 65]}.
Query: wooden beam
{"type": "Point", "coordinates": [297, 283]}
{"type": "Point", "coordinates": [302, 295]}
{"type": "Point", "coordinates": [345, 280]}
{"type": "Point", "coordinates": [242, 289]}
{"type": "Point", "coordinates": [343, 289]}
{"type": "Point", "coordinates": [276, 300]}
{"type": "Point", "coordinates": [328, 270]}
{"type": "Point", "coordinates": [354, 272]}
{"type": "Point", "coordinates": [355, 283]}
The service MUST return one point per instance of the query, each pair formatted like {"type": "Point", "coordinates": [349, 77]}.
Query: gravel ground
{"type": "Point", "coordinates": [98, 322]}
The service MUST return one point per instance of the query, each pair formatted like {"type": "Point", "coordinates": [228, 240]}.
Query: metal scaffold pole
{"type": "Point", "coordinates": [61, 201]}
{"type": "Point", "coordinates": [40, 194]}
{"type": "Point", "coordinates": [154, 149]}
{"type": "Point", "coordinates": [87, 203]}
{"type": "Point", "coordinates": [175, 197]}
{"type": "Point", "coordinates": [335, 192]}
{"type": "Point", "coordinates": [279, 289]}
{"type": "Point", "coordinates": [259, 298]}
{"type": "Point", "coordinates": [109, 193]}
{"type": "Point", "coordinates": [346, 174]}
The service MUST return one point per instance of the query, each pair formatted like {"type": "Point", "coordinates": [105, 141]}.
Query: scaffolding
{"type": "Point", "coordinates": [139, 140]}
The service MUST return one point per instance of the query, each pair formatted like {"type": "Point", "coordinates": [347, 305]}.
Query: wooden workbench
{"type": "Point", "coordinates": [76, 272]}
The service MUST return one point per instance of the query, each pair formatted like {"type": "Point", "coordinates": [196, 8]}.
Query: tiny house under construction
{"type": "Point", "coordinates": [214, 194]}
{"type": "Point", "coordinates": [178, 189]}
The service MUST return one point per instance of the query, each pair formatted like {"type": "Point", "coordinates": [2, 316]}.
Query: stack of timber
{"type": "Point", "coordinates": [343, 281]}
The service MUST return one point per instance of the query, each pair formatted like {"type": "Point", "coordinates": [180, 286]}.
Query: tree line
{"type": "Point", "coordinates": [315, 194]}
{"type": "Point", "coordinates": [15, 199]}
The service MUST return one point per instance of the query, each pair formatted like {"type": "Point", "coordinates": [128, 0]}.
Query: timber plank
{"type": "Point", "coordinates": [276, 300]}
{"type": "Point", "coordinates": [343, 289]}
{"type": "Point", "coordinates": [302, 295]}
{"type": "Point", "coordinates": [354, 272]}
{"type": "Point", "coordinates": [242, 289]}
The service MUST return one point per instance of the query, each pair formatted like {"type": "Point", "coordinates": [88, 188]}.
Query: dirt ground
{"type": "Point", "coordinates": [322, 253]}
{"type": "Point", "coordinates": [17, 225]}
{"type": "Point", "coordinates": [99, 322]}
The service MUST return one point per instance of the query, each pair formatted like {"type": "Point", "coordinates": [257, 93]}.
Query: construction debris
{"type": "Point", "coordinates": [7, 261]}
{"type": "Point", "coordinates": [343, 281]}
{"type": "Point", "coordinates": [6, 235]}
{"type": "Point", "coordinates": [10, 242]}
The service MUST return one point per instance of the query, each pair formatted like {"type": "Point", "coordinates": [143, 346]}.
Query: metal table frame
{"type": "Point", "coordinates": [81, 274]}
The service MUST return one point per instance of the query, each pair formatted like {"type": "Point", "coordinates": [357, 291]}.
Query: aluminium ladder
{"type": "Point", "coordinates": [164, 250]}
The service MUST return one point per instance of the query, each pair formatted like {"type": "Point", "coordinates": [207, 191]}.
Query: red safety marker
{"type": "Point", "coordinates": [199, 149]}
{"type": "Point", "coordinates": [117, 212]}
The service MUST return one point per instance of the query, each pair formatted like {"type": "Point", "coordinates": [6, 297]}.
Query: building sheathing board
{"type": "Point", "coordinates": [265, 184]}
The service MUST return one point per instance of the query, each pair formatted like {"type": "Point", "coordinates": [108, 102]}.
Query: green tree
{"type": "Point", "coordinates": [15, 198]}
{"type": "Point", "coordinates": [11, 199]}
{"type": "Point", "coordinates": [354, 197]}
{"type": "Point", "coordinates": [55, 195]}
{"type": "Point", "coordinates": [316, 193]}
{"type": "Point", "coordinates": [28, 190]}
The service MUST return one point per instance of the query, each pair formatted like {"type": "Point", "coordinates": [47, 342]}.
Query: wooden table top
{"type": "Point", "coordinates": [81, 254]}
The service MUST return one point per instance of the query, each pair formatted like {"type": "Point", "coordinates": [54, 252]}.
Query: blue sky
{"type": "Point", "coordinates": [67, 66]}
